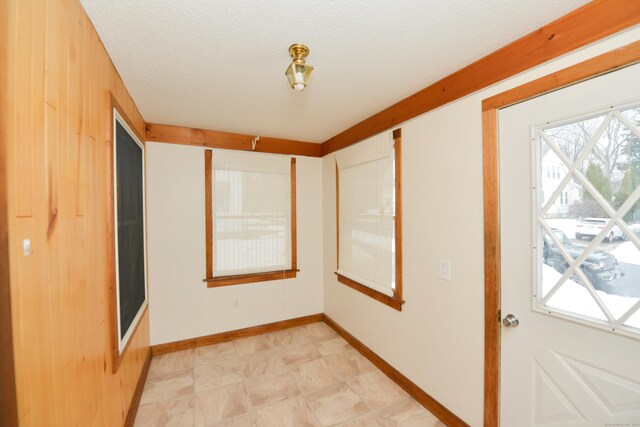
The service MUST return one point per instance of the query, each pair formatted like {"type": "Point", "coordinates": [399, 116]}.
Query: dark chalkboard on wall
{"type": "Point", "coordinates": [130, 230]}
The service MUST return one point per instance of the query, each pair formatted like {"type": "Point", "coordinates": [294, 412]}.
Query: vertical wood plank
{"type": "Point", "coordinates": [397, 138]}
{"type": "Point", "coordinates": [65, 239]}
{"type": "Point", "coordinates": [8, 402]}
{"type": "Point", "coordinates": [38, 328]}
{"type": "Point", "coordinates": [208, 211]}
{"type": "Point", "coordinates": [337, 217]}
{"type": "Point", "coordinates": [20, 115]}
{"type": "Point", "coordinates": [81, 180]}
{"type": "Point", "coordinates": [80, 295]}
{"type": "Point", "coordinates": [491, 267]}
{"type": "Point", "coordinates": [294, 225]}
{"type": "Point", "coordinates": [51, 150]}
{"type": "Point", "coordinates": [86, 78]}
{"type": "Point", "coordinates": [90, 384]}
{"type": "Point", "coordinates": [96, 74]}
{"type": "Point", "coordinates": [52, 53]}
{"type": "Point", "coordinates": [53, 251]}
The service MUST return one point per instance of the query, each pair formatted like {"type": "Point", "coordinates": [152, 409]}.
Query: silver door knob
{"type": "Point", "coordinates": [510, 321]}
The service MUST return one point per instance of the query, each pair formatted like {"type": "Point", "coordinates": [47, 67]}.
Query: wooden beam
{"type": "Point", "coordinates": [601, 64]}
{"type": "Point", "coordinates": [230, 141]}
{"type": "Point", "coordinates": [592, 22]}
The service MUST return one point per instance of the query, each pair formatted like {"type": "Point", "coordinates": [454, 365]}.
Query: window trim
{"type": "Point", "coordinates": [117, 354]}
{"type": "Point", "coordinates": [214, 282]}
{"type": "Point", "coordinates": [396, 300]}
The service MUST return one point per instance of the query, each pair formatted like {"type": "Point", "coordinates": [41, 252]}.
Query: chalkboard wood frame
{"type": "Point", "coordinates": [120, 342]}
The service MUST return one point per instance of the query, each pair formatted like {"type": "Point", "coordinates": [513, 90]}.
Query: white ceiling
{"type": "Point", "coordinates": [219, 64]}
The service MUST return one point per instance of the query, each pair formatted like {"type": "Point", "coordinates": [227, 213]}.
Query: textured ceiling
{"type": "Point", "coordinates": [219, 64]}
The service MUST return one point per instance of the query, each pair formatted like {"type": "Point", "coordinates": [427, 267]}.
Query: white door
{"type": "Point", "coordinates": [570, 227]}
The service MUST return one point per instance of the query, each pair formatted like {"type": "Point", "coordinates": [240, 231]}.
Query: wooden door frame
{"type": "Point", "coordinates": [599, 65]}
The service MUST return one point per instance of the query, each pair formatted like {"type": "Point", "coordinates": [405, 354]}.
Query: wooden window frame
{"type": "Point", "coordinates": [396, 300]}
{"type": "Point", "coordinates": [116, 355]}
{"type": "Point", "coordinates": [216, 282]}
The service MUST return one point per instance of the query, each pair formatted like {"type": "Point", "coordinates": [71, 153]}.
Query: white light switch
{"type": "Point", "coordinates": [26, 247]}
{"type": "Point", "coordinates": [444, 269]}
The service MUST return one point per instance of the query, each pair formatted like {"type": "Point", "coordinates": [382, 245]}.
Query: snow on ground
{"type": "Point", "coordinates": [627, 252]}
{"type": "Point", "coordinates": [575, 298]}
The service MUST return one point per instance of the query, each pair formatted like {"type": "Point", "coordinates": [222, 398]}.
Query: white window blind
{"type": "Point", "coordinates": [366, 186]}
{"type": "Point", "coordinates": [251, 212]}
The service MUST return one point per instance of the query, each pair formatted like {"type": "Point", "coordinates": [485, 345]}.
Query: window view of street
{"type": "Point", "coordinates": [589, 218]}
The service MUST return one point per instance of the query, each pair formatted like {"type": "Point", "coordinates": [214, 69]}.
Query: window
{"type": "Point", "coordinates": [127, 233]}
{"type": "Point", "coordinates": [250, 217]}
{"type": "Point", "coordinates": [369, 201]}
{"type": "Point", "coordinates": [588, 259]}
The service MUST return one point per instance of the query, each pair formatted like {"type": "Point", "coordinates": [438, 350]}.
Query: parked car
{"type": "Point", "coordinates": [599, 266]}
{"type": "Point", "coordinates": [591, 227]}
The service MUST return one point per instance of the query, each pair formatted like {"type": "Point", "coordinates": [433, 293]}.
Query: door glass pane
{"type": "Point", "coordinates": [588, 174]}
{"type": "Point", "coordinates": [570, 138]}
{"type": "Point", "coordinates": [632, 114]}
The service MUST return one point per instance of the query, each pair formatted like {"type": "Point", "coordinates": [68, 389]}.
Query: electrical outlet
{"type": "Point", "coordinates": [444, 269]}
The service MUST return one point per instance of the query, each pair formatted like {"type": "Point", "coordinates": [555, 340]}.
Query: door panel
{"type": "Point", "coordinates": [573, 360]}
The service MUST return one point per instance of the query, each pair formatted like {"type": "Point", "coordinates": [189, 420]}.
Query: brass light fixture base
{"type": "Point", "coordinates": [298, 72]}
{"type": "Point", "coordinates": [298, 52]}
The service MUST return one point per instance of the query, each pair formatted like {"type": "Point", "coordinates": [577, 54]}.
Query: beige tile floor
{"type": "Point", "coordinates": [304, 376]}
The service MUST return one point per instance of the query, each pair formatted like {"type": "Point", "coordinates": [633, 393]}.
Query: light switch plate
{"type": "Point", "coordinates": [26, 247]}
{"type": "Point", "coordinates": [444, 269]}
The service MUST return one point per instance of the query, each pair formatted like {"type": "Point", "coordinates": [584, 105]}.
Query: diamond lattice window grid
{"type": "Point", "coordinates": [587, 179]}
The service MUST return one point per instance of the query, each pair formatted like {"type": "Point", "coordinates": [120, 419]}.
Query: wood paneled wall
{"type": "Point", "coordinates": [59, 80]}
{"type": "Point", "coordinates": [8, 414]}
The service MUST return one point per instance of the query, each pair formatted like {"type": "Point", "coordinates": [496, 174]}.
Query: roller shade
{"type": "Point", "coordinates": [251, 212]}
{"type": "Point", "coordinates": [366, 186]}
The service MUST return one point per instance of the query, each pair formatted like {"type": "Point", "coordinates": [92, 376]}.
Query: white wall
{"type": "Point", "coordinates": [437, 340]}
{"type": "Point", "coordinates": [181, 305]}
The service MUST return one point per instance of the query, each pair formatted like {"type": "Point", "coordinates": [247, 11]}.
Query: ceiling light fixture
{"type": "Point", "coordinates": [298, 72]}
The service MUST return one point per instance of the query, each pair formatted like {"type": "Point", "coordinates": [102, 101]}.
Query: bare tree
{"type": "Point", "coordinates": [609, 151]}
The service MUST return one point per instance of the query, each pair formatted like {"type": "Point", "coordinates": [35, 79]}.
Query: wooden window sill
{"type": "Point", "coordinates": [215, 282]}
{"type": "Point", "coordinates": [393, 302]}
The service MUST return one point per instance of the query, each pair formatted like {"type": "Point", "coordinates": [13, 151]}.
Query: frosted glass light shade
{"type": "Point", "coordinates": [298, 75]}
